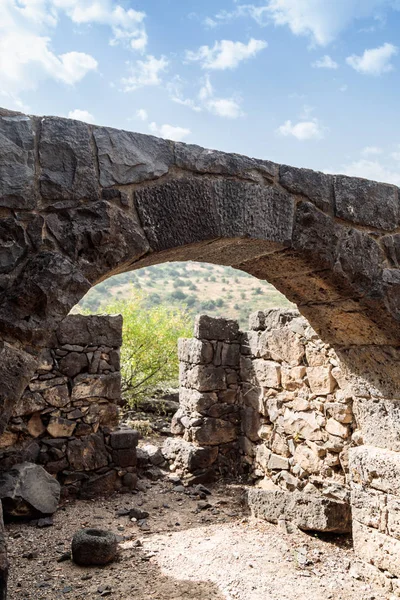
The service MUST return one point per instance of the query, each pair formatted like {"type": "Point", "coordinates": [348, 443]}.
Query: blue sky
{"type": "Point", "coordinates": [312, 83]}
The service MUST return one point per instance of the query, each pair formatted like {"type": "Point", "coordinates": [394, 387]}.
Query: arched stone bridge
{"type": "Point", "coordinates": [79, 203]}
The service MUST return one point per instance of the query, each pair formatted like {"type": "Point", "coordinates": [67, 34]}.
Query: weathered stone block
{"type": "Point", "coordinates": [376, 548]}
{"type": "Point", "coordinates": [278, 463]}
{"type": "Point", "coordinates": [214, 328]}
{"type": "Point", "coordinates": [250, 419]}
{"type": "Point", "coordinates": [213, 432]}
{"type": "Point", "coordinates": [204, 378]}
{"type": "Point", "coordinates": [126, 157]}
{"type": "Point", "coordinates": [357, 200]}
{"type": "Point", "coordinates": [188, 456]}
{"type": "Point", "coordinates": [59, 427]}
{"type": "Point", "coordinates": [17, 162]}
{"type": "Point", "coordinates": [335, 428]}
{"type": "Point", "coordinates": [375, 468]}
{"type": "Point", "coordinates": [87, 453]}
{"type": "Point", "coordinates": [125, 457]}
{"type": "Point", "coordinates": [194, 401]}
{"type": "Point", "coordinates": [68, 168]}
{"type": "Point", "coordinates": [230, 355]}
{"type": "Point", "coordinates": [124, 438]}
{"type": "Point", "coordinates": [340, 412]}
{"type": "Point", "coordinates": [317, 187]}
{"type": "Point", "coordinates": [57, 396]}
{"type": "Point", "coordinates": [310, 512]}
{"type": "Point", "coordinates": [97, 386]}
{"type": "Point", "coordinates": [284, 345]}
{"type": "Point", "coordinates": [302, 425]}
{"type": "Point", "coordinates": [91, 330]}
{"type": "Point", "coordinates": [195, 351]}
{"type": "Point", "coordinates": [321, 380]}
{"type": "Point", "coordinates": [265, 373]}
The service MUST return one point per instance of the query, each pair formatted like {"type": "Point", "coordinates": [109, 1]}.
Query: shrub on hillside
{"type": "Point", "coordinates": [149, 355]}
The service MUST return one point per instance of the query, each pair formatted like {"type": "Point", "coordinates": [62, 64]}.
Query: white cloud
{"type": "Point", "coordinates": [374, 61]}
{"type": "Point", "coordinates": [370, 169]}
{"type": "Point", "coordinates": [226, 54]}
{"type": "Point", "coordinates": [127, 25]}
{"type": "Point", "coordinates": [177, 134]}
{"type": "Point", "coordinates": [81, 115]}
{"type": "Point", "coordinates": [371, 150]}
{"type": "Point", "coordinates": [326, 62]}
{"type": "Point", "coordinates": [228, 108]}
{"type": "Point", "coordinates": [225, 107]}
{"type": "Point", "coordinates": [142, 114]}
{"type": "Point", "coordinates": [321, 20]}
{"type": "Point", "coordinates": [145, 72]}
{"type": "Point", "coordinates": [303, 130]}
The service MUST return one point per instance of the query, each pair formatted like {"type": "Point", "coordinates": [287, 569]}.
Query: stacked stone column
{"type": "Point", "coordinates": [209, 414]}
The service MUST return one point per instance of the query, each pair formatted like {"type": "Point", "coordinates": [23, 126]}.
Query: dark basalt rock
{"type": "Point", "coordinates": [93, 547]}
{"type": "Point", "coordinates": [28, 490]}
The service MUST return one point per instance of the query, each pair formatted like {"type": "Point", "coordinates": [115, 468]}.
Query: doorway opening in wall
{"type": "Point", "coordinates": [244, 405]}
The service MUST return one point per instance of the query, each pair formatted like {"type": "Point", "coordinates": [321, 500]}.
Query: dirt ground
{"type": "Point", "coordinates": [183, 550]}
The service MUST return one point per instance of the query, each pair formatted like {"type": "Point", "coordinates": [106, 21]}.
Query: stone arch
{"type": "Point", "coordinates": [80, 203]}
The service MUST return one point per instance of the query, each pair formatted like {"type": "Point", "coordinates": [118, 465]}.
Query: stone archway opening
{"type": "Point", "coordinates": [80, 203]}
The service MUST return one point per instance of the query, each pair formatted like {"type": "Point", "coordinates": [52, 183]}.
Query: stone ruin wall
{"type": "Point", "coordinates": [271, 398]}
{"type": "Point", "coordinates": [68, 416]}
{"type": "Point", "coordinates": [321, 447]}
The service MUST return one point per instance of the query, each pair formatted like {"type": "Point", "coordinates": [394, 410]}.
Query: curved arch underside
{"type": "Point", "coordinates": [79, 203]}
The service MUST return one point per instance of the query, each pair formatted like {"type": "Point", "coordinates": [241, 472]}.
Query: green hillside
{"type": "Point", "coordinates": [201, 287]}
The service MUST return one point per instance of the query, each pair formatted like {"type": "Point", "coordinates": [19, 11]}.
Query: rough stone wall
{"type": "Point", "coordinates": [209, 414]}
{"type": "Point", "coordinates": [66, 416]}
{"type": "Point", "coordinates": [275, 390]}
{"type": "Point", "coordinates": [297, 420]}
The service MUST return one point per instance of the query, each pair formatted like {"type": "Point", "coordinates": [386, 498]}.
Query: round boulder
{"type": "Point", "coordinates": [93, 547]}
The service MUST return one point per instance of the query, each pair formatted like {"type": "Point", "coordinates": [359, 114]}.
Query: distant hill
{"type": "Point", "coordinates": [201, 287]}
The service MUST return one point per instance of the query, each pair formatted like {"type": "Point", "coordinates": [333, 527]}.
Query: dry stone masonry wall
{"type": "Point", "coordinates": [66, 419]}
{"type": "Point", "coordinates": [272, 394]}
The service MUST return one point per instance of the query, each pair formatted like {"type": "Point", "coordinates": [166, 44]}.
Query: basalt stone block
{"type": "Point", "coordinates": [126, 157]}
{"type": "Point", "coordinates": [28, 490]}
{"type": "Point", "coordinates": [195, 351]}
{"type": "Point", "coordinates": [13, 245]}
{"type": "Point", "coordinates": [60, 427]}
{"type": "Point", "coordinates": [124, 457]}
{"type": "Point", "coordinates": [187, 205]}
{"type": "Point", "coordinates": [99, 485]}
{"type": "Point", "coordinates": [200, 160]}
{"type": "Point", "coordinates": [99, 237]}
{"type": "Point", "coordinates": [215, 328]}
{"type": "Point", "coordinates": [91, 330]}
{"type": "Point", "coordinates": [367, 202]}
{"type": "Point", "coordinates": [73, 363]}
{"type": "Point", "coordinates": [17, 368]}
{"type": "Point", "coordinates": [28, 404]}
{"type": "Point", "coordinates": [214, 432]}
{"type": "Point", "coordinates": [87, 453]}
{"type": "Point", "coordinates": [315, 186]}
{"type": "Point", "coordinates": [188, 456]}
{"type": "Point", "coordinates": [17, 162]}
{"type": "Point", "coordinates": [67, 160]}
{"type": "Point", "coordinates": [194, 401]}
{"type": "Point", "coordinates": [124, 439]}
{"type": "Point", "coordinates": [309, 512]}
{"type": "Point", "coordinates": [204, 378]}
{"type": "Point", "coordinates": [97, 386]}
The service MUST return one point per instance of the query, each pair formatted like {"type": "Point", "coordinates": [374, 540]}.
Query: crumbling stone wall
{"type": "Point", "coordinates": [297, 418]}
{"type": "Point", "coordinates": [65, 419]}
{"type": "Point", "coordinates": [275, 394]}
{"type": "Point", "coordinates": [209, 413]}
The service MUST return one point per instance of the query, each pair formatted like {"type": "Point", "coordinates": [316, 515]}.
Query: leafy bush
{"type": "Point", "coordinates": [149, 355]}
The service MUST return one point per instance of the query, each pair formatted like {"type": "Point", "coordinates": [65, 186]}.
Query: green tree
{"type": "Point", "coordinates": [149, 355]}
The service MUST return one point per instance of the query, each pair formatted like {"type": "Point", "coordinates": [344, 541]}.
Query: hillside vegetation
{"type": "Point", "coordinates": [197, 287]}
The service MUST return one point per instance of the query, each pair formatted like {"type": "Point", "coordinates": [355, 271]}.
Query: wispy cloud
{"type": "Point", "coordinates": [226, 54]}
{"type": "Point", "coordinates": [302, 130]}
{"type": "Point", "coordinates": [374, 61]}
{"type": "Point", "coordinates": [81, 115]}
{"type": "Point", "coordinates": [170, 132]}
{"type": "Point", "coordinates": [145, 72]}
{"type": "Point", "coordinates": [326, 62]}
